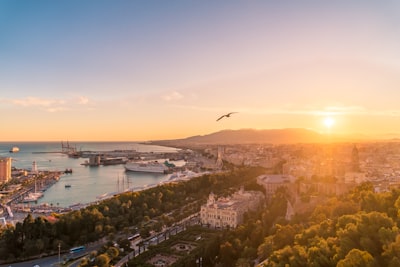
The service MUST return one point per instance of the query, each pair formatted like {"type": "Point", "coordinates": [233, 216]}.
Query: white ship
{"type": "Point", "coordinates": [32, 197]}
{"type": "Point", "coordinates": [14, 149]}
{"type": "Point", "coordinates": [143, 166]}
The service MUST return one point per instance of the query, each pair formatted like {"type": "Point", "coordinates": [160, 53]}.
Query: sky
{"type": "Point", "coordinates": [86, 70]}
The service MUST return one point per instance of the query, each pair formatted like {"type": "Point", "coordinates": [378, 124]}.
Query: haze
{"type": "Point", "coordinates": [148, 70]}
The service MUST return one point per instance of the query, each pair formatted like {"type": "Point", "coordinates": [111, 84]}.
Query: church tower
{"type": "Point", "coordinates": [219, 162]}
{"type": "Point", "coordinates": [355, 164]}
{"type": "Point", "coordinates": [211, 199]}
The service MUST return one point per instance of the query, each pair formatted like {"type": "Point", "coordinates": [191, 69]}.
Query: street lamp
{"type": "Point", "coordinates": [199, 262]}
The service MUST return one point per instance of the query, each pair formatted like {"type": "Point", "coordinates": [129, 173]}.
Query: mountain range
{"type": "Point", "coordinates": [253, 136]}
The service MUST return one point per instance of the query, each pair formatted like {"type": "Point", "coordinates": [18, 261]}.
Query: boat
{"type": "Point", "coordinates": [67, 186]}
{"type": "Point", "coordinates": [14, 149]}
{"type": "Point", "coordinates": [182, 175]}
{"type": "Point", "coordinates": [32, 197]}
{"type": "Point", "coordinates": [68, 171]}
{"type": "Point", "coordinates": [146, 166]}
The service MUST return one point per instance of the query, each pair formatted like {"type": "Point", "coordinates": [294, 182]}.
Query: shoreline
{"type": "Point", "coordinates": [44, 209]}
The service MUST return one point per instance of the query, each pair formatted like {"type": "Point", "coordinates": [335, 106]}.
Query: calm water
{"type": "Point", "coordinates": [87, 183]}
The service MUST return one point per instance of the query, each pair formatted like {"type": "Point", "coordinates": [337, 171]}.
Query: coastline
{"type": "Point", "coordinates": [86, 184]}
{"type": "Point", "coordinates": [46, 210]}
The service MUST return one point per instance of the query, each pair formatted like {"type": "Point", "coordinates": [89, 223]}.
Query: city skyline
{"type": "Point", "coordinates": [151, 70]}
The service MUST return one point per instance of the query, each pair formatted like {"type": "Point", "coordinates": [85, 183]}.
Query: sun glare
{"type": "Point", "coordinates": [329, 122]}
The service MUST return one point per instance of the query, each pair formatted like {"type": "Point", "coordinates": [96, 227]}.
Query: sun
{"type": "Point", "coordinates": [329, 122]}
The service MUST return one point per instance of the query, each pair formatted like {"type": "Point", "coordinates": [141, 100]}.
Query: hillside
{"type": "Point", "coordinates": [251, 136]}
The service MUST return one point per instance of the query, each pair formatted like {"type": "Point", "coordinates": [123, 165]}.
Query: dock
{"type": "Point", "coordinates": [47, 152]}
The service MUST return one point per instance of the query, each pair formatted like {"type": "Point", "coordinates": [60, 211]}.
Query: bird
{"type": "Point", "coordinates": [226, 115]}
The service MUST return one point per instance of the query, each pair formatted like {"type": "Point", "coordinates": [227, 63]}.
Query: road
{"type": "Point", "coordinates": [160, 237]}
{"type": "Point", "coordinates": [42, 262]}
{"type": "Point", "coordinates": [53, 261]}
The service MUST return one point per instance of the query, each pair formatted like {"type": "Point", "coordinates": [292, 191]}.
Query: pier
{"type": "Point", "coordinates": [41, 184]}
{"type": "Point", "coordinates": [47, 152]}
{"type": "Point", "coordinates": [16, 198]}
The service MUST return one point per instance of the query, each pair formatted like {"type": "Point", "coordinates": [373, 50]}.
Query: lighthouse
{"type": "Point", "coordinates": [34, 167]}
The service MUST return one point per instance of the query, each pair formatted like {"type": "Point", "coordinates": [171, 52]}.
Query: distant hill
{"type": "Point", "coordinates": [251, 136]}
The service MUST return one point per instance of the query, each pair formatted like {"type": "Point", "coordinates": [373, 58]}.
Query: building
{"type": "Point", "coordinates": [228, 212]}
{"type": "Point", "coordinates": [272, 182]}
{"type": "Point", "coordinates": [327, 189]}
{"type": "Point", "coordinates": [355, 177]}
{"type": "Point", "coordinates": [355, 161]}
{"type": "Point", "coordinates": [5, 169]}
{"type": "Point", "coordinates": [219, 162]}
{"type": "Point", "coordinates": [34, 167]}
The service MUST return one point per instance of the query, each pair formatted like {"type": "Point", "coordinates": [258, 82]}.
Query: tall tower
{"type": "Point", "coordinates": [5, 169]}
{"type": "Point", "coordinates": [211, 199]}
{"type": "Point", "coordinates": [219, 162]}
{"type": "Point", "coordinates": [355, 163]}
{"type": "Point", "coordinates": [34, 167]}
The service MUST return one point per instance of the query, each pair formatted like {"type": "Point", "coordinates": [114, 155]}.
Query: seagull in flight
{"type": "Point", "coordinates": [226, 115]}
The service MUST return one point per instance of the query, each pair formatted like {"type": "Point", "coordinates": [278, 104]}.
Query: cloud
{"type": "Point", "coordinates": [56, 109]}
{"type": "Point", "coordinates": [46, 104]}
{"type": "Point", "coordinates": [173, 96]}
{"type": "Point", "coordinates": [82, 100]}
{"type": "Point", "coordinates": [34, 101]}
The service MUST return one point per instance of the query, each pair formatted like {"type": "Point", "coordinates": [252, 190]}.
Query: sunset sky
{"type": "Point", "coordinates": [150, 70]}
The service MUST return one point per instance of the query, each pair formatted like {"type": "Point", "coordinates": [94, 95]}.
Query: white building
{"type": "Point", "coordinates": [224, 212]}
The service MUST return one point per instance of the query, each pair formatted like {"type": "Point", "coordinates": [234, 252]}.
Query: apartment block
{"type": "Point", "coordinates": [5, 169]}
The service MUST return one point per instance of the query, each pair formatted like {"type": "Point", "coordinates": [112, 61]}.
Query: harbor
{"type": "Point", "coordinates": [85, 184]}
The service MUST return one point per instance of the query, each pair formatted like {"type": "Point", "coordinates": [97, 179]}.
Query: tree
{"type": "Point", "coordinates": [284, 236]}
{"type": "Point", "coordinates": [392, 251]}
{"type": "Point", "coordinates": [242, 262]}
{"type": "Point", "coordinates": [84, 262]}
{"type": "Point", "coordinates": [357, 258]}
{"type": "Point", "coordinates": [102, 260]}
{"type": "Point", "coordinates": [211, 251]}
{"type": "Point", "coordinates": [112, 252]}
{"type": "Point", "coordinates": [360, 190]}
{"type": "Point", "coordinates": [296, 256]}
{"type": "Point", "coordinates": [366, 231]}
{"type": "Point", "coordinates": [266, 248]}
{"type": "Point", "coordinates": [321, 253]}
{"type": "Point", "coordinates": [228, 254]}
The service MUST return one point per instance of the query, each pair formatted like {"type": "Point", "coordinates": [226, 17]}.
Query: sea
{"type": "Point", "coordinates": [87, 184]}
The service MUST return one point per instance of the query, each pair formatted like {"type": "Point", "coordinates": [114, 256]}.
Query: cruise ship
{"type": "Point", "coordinates": [14, 149]}
{"type": "Point", "coordinates": [143, 166]}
